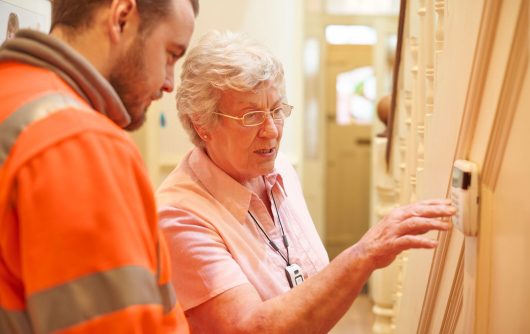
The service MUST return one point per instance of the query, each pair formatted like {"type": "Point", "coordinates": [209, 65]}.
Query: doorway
{"type": "Point", "coordinates": [350, 99]}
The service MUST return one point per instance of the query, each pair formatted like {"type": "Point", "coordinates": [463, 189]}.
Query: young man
{"type": "Point", "coordinates": [80, 250]}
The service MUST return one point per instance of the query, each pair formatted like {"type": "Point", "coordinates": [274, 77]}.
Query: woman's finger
{"type": "Point", "coordinates": [420, 225]}
{"type": "Point", "coordinates": [427, 211]}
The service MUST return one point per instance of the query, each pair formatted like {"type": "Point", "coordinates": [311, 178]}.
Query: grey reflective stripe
{"type": "Point", "coordinates": [12, 127]}
{"type": "Point", "coordinates": [14, 322]}
{"type": "Point", "coordinates": [169, 299]}
{"type": "Point", "coordinates": [95, 295]}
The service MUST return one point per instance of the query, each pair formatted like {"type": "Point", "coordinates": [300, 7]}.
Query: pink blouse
{"type": "Point", "coordinates": [214, 243]}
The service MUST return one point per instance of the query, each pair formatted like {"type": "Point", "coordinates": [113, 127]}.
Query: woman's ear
{"type": "Point", "coordinates": [205, 136]}
{"type": "Point", "coordinates": [123, 15]}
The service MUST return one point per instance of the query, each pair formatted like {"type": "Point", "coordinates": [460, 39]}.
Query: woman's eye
{"type": "Point", "coordinates": [253, 115]}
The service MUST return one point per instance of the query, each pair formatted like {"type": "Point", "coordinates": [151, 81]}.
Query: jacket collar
{"type": "Point", "coordinates": [38, 49]}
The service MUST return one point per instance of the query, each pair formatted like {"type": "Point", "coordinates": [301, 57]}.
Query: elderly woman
{"type": "Point", "coordinates": [245, 254]}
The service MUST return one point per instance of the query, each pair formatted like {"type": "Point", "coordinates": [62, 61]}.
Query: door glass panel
{"type": "Point", "coordinates": [362, 7]}
{"type": "Point", "coordinates": [356, 93]}
{"type": "Point", "coordinates": [350, 34]}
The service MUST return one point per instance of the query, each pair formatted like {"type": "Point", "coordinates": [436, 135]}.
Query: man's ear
{"type": "Point", "coordinates": [123, 15]}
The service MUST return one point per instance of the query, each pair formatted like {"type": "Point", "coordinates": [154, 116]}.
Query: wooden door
{"type": "Point", "coordinates": [347, 158]}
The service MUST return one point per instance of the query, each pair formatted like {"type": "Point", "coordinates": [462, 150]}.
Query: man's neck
{"type": "Point", "coordinates": [90, 45]}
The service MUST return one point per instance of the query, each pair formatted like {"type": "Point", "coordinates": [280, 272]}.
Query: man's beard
{"type": "Point", "coordinates": [127, 78]}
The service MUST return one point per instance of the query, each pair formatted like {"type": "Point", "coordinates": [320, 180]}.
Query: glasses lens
{"type": "Point", "coordinates": [282, 112]}
{"type": "Point", "coordinates": [278, 113]}
{"type": "Point", "coordinates": [253, 118]}
{"type": "Point", "coordinates": [258, 117]}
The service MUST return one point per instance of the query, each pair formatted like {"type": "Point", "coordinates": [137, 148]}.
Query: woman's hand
{"type": "Point", "coordinates": [401, 229]}
{"type": "Point", "coordinates": [325, 297]}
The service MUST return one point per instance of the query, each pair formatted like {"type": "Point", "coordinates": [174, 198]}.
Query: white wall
{"type": "Point", "coordinates": [34, 14]}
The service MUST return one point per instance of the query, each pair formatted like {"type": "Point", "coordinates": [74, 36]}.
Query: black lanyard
{"type": "Point", "coordinates": [272, 243]}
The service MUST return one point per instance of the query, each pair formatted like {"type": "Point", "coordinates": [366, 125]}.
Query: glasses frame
{"type": "Point", "coordinates": [269, 112]}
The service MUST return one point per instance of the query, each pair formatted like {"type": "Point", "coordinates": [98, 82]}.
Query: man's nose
{"type": "Point", "coordinates": [169, 83]}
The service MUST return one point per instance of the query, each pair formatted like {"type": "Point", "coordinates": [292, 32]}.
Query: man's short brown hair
{"type": "Point", "coordinates": [77, 15]}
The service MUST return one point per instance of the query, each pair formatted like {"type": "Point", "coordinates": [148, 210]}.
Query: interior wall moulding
{"type": "Point", "coordinates": [505, 111]}
{"type": "Point", "coordinates": [479, 71]}
{"type": "Point", "coordinates": [456, 300]}
{"type": "Point", "coordinates": [433, 284]}
{"type": "Point", "coordinates": [484, 262]}
{"type": "Point", "coordinates": [509, 98]}
{"type": "Point", "coordinates": [511, 90]}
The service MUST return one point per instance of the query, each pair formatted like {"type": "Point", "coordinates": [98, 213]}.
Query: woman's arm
{"type": "Point", "coordinates": [316, 305]}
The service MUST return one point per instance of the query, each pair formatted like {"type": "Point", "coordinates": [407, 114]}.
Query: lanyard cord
{"type": "Point", "coordinates": [272, 243]}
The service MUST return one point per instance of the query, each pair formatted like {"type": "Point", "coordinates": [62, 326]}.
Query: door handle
{"type": "Point", "coordinates": [363, 141]}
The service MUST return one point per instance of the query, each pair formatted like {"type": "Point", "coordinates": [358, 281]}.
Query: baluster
{"type": "Point", "coordinates": [383, 308]}
{"type": "Point", "coordinates": [429, 66]}
{"type": "Point", "coordinates": [429, 99]}
{"type": "Point", "coordinates": [429, 35]}
{"type": "Point", "coordinates": [420, 101]}
{"type": "Point", "coordinates": [413, 119]}
{"type": "Point", "coordinates": [439, 8]}
{"type": "Point", "coordinates": [403, 193]}
{"type": "Point", "coordinates": [402, 261]}
{"type": "Point", "coordinates": [405, 187]}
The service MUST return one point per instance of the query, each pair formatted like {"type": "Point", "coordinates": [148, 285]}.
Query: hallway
{"type": "Point", "coordinates": [359, 318]}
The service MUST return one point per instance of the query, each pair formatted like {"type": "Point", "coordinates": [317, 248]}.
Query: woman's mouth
{"type": "Point", "coordinates": [265, 151]}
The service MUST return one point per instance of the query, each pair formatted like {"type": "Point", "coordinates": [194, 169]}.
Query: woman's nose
{"type": "Point", "coordinates": [269, 128]}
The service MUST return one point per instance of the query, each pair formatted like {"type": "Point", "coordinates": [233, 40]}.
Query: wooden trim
{"type": "Point", "coordinates": [486, 36]}
{"type": "Point", "coordinates": [433, 285]}
{"type": "Point", "coordinates": [479, 72]}
{"type": "Point", "coordinates": [510, 92]}
{"type": "Point", "coordinates": [484, 261]}
{"type": "Point", "coordinates": [456, 298]}
{"type": "Point", "coordinates": [395, 80]}
{"type": "Point", "coordinates": [509, 98]}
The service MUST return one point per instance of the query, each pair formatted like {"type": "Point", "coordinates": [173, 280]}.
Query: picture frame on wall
{"type": "Point", "coordinates": [23, 14]}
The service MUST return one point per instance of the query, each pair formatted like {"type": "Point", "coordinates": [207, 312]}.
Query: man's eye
{"type": "Point", "coordinates": [173, 57]}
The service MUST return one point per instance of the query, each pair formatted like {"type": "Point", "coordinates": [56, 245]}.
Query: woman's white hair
{"type": "Point", "coordinates": [222, 61]}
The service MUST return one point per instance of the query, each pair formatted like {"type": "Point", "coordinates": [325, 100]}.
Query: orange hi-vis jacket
{"type": "Point", "coordinates": [80, 248]}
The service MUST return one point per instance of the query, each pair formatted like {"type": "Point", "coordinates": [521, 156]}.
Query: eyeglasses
{"type": "Point", "coordinates": [258, 117]}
